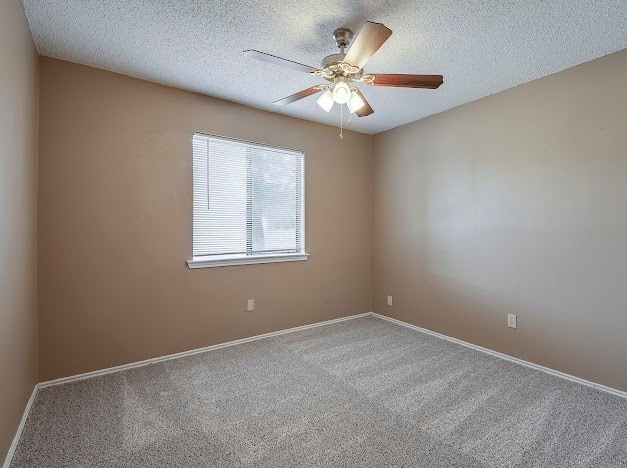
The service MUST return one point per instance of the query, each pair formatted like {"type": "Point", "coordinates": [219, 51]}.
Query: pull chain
{"type": "Point", "coordinates": [341, 121]}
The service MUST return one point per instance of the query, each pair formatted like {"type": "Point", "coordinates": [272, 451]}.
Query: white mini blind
{"type": "Point", "coordinates": [248, 198]}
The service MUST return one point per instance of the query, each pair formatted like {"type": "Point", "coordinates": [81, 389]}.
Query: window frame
{"type": "Point", "coordinates": [208, 261]}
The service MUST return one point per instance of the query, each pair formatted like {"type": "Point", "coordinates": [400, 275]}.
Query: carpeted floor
{"type": "Point", "coordinates": [363, 392]}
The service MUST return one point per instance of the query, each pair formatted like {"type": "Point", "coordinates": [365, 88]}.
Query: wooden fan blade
{"type": "Point", "coordinates": [369, 40]}
{"type": "Point", "coordinates": [366, 109]}
{"type": "Point", "coordinates": [407, 81]}
{"type": "Point", "coordinates": [279, 61]}
{"type": "Point", "coordinates": [295, 97]}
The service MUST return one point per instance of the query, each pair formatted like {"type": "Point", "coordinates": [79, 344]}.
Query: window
{"type": "Point", "coordinates": [248, 203]}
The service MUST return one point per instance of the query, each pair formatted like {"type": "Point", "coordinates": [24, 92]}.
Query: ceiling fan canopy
{"type": "Point", "coordinates": [342, 70]}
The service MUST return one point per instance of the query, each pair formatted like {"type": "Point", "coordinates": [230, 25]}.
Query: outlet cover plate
{"type": "Point", "coordinates": [511, 320]}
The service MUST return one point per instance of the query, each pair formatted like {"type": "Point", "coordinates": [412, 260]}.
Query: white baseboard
{"type": "Point", "coordinates": [507, 357]}
{"type": "Point", "coordinates": [20, 428]}
{"type": "Point", "coordinates": [88, 375]}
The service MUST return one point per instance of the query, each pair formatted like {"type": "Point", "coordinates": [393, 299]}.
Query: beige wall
{"type": "Point", "coordinates": [18, 195]}
{"type": "Point", "coordinates": [115, 221]}
{"type": "Point", "coordinates": [516, 203]}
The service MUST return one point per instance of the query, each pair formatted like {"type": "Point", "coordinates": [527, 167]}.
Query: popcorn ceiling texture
{"type": "Point", "coordinates": [359, 393]}
{"type": "Point", "coordinates": [481, 47]}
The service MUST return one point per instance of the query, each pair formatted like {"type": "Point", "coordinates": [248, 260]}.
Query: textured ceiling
{"type": "Point", "coordinates": [481, 46]}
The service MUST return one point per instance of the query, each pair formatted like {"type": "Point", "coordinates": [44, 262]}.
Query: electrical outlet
{"type": "Point", "coordinates": [511, 320]}
{"type": "Point", "coordinates": [389, 300]}
{"type": "Point", "coordinates": [251, 305]}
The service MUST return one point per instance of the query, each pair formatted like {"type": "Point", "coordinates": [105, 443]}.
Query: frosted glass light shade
{"type": "Point", "coordinates": [355, 102]}
{"type": "Point", "coordinates": [341, 93]}
{"type": "Point", "coordinates": [326, 100]}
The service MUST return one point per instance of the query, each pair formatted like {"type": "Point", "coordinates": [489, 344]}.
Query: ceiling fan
{"type": "Point", "coordinates": [341, 70]}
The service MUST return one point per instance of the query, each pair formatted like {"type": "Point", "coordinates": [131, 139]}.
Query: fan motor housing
{"type": "Point", "coordinates": [334, 60]}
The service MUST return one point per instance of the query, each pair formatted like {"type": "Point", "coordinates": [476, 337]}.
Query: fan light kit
{"type": "Point", "coordinates": [343, 69]}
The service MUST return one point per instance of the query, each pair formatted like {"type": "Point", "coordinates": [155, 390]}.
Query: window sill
{"type": "Point", "coordinates": [204, 262]}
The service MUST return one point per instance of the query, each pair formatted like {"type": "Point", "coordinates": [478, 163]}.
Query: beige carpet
{"type": "Point", "coordinates": [363, 392]}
